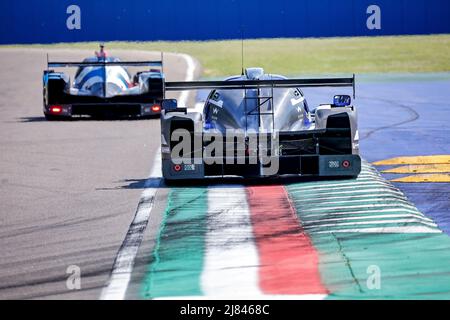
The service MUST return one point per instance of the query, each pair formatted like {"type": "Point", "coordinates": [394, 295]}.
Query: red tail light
{"type": "Point", "coordinates": [55, 109]}
{"type": "Point", "coordinates": [156, 108]}
{"type": "Point", "coordinates": [177, 168]}
{"type": "Point", "coordinates": [346, 164]}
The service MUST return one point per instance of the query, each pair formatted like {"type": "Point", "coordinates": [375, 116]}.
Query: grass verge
{"type": "Point", "coordinates": [397, 54]}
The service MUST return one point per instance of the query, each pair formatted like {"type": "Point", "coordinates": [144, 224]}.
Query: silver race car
{"type": "Point", "coordinates": [259, 125]}
{"type": "Point", "coordinates": [102, 87]}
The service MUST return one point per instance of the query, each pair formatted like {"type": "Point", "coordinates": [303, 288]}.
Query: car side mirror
{"type": "Point", "coordinates": [169, 104]}
{"type": "Point", "coordinates": [342, 100]}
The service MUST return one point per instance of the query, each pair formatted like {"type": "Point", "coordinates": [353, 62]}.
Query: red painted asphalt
{"type": "Point", "coordinates": [288, 260]}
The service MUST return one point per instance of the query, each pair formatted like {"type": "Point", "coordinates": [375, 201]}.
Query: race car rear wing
{"type": "Point", "coordinates": [103, 62]}
{"type": "Point", "coordinates": [255, 84]}
{"type": "Point", "coordinates": [106, 63]}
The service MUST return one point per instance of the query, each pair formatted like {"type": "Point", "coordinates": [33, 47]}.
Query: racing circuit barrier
{"type": "Point", "coordinates": [52, 21]}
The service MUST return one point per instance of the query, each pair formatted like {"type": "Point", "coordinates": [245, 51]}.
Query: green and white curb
{"type": "Point", "coordinates": [372, 243]}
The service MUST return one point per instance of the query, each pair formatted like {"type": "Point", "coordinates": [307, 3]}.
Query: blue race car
{"type": "Point", "coordinates": [103, 87]}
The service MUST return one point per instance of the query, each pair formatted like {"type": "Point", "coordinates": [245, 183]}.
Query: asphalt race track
{"type": "Point", "coordinates": [68, 190]}
{"type": "Point", "coordinates": [89, 194]}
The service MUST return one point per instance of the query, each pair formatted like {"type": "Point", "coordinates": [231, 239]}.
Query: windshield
{"type": "Point", "coordinates": [95, 59]}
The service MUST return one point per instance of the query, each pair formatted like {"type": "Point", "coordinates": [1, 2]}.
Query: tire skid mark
{"type": "Point", "coordinates": [414, 115]}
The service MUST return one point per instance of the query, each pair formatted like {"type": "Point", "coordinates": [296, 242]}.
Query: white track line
{"type": "Point", "coordinates": [313, 188]}
{"type": "Point", "coordinates": [325, 204]}
{"type": "Point", "coordinates": [415, 212]}
{"type": "Point", "coordinates": [231, 258]}
{"type": "Point", "coordinates": [351, 193]}
{"type": "Point", "coordinates": [323, 191]}
{"type": "Point", "coordinates": [350, 197]}
{"type": "Point", "coordinates": [190, 73]}
{"type": "Point", "coordinates": [384, 199]}
{"type": "Point", "coordinates": [366, 176]}
{"type": "Point", "coordinates": [356, 223]}
{"type": "Point", "coordinates": [124, 262]}
{"type": "Point", "coordinates": [366, 206]}
{"type": "Point", "coordinates": [318, 223]}
{"type": "Point", "coordinates": [408, 229]}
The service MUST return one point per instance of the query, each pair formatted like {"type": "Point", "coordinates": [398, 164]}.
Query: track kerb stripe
{"type": "Point", "coordinates": [288, 260]}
